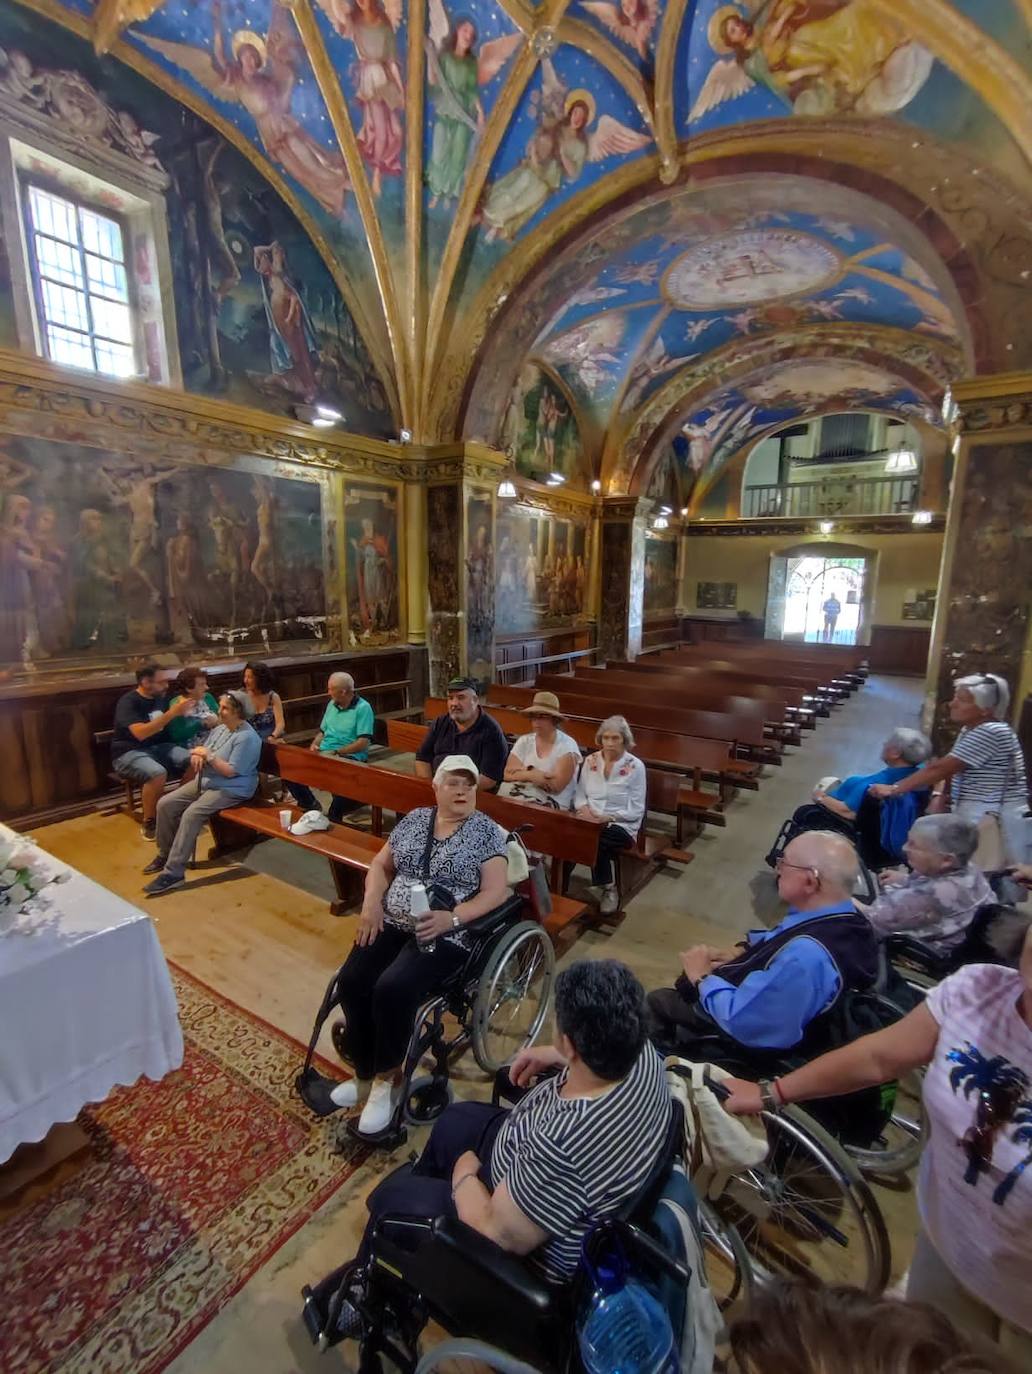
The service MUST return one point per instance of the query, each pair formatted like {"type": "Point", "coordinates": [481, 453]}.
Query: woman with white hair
{"type": "Point", "coordinates": [936, 899]}
{"type": "Point", "coordinates": [984, 772]}
{"type": "Point", "coordinates": [611, 788]}
{"type": "Point", "coordinates": [902, 754]}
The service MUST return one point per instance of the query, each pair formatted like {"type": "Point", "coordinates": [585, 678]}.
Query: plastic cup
{"type": "Point", "coordinates": [285, 819]}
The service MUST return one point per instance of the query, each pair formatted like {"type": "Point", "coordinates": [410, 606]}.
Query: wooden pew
{"type": "Point", "coordinates": [768, 668]}
{"type": "Point", "coordinates": [673, 796]}
{"type": "Point", "coordinates": [565, 838]}
{"type": "Point", "coordinates": [712, 687]}
{"type": "Point", "coordinates": [646, 709]}
{"type": "Point", "coordinates": [657, 747]}
{"type": "Point", "coordinates": [771, 714]}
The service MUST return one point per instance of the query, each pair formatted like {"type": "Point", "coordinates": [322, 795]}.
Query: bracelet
{"type": "Point", "coordinates": [464, 1179]}
{"type": "Point", "coordinates": [779, 1091]}
{"type": "Point", "coordinates": [456, 923]}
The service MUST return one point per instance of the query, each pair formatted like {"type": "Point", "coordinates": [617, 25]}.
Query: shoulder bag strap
{"type": "Point", "coordinates": [425, 867]}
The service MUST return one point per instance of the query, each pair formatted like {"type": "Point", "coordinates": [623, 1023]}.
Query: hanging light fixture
{"type": "Point", "coordinates": [506, 488]}
{"type": "Point", "coordinates": [660, 522]}
{"type": "Point", "coordinates": [900, 463]}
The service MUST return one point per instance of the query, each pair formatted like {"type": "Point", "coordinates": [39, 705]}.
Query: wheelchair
{"type": "Point", "coordinates": [807, 1209]}
{"type": "Point", "coordinates": [864, 832]}
{"type": "Point", "coordinates": [995, 936]}
{"type": "Point", "coordinates": [421, 1270]}
{"type": "Point", "coordinates": [499, 998]}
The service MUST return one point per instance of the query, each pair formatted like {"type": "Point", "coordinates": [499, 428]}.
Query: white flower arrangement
{"type": "Point", "coordinates": [23, 875]}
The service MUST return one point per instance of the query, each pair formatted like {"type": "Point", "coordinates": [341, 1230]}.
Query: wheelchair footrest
{"type": "Point", "coordinates": [388, 1139]}
{"type": "Point", "coordinates": [314, 1089]}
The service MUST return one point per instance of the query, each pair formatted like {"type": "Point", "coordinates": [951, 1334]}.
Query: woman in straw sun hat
{"type": "Point", "coordinates": [543, 765]}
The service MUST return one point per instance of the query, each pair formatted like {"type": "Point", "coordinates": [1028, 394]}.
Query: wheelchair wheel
{"type": "Point", "coordinates": [427, 1099]}
{"type": "Point", "coordinates": [729, 1270]}
{"type": "Point", "coordinates": [513, 995]}
{"type": "Point", "coordinates": [899, 1144]}
{"type": "Point", "coordinates": [806, 1211]}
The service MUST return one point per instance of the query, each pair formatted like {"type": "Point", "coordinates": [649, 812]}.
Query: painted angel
{"type": "Point", "coordinates": [457, 71]}
{"type": "Point", "coordinates": [372, 26]}
{"type": "Point", "coordinates": [632, 21]}
{"type": "Point", "coordinates": [715, 434]}
{"type": "Point", "coordinates": [819, 57]}
{"type": "Point", "coordinates": [260, 74]}
{"type": "Point", "coordinates": [558, 149]}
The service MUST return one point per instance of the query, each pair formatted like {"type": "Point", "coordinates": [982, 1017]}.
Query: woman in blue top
{"type": "Point", "coordinates": [902, 753]}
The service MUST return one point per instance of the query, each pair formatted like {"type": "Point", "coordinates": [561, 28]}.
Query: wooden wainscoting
{"type": "Point", "coordinates": [700, 629]}
{"type": "Point", "coordinates": [900, 649]}
{"type": "Point", "coordinates": [54, 768]}
{"type": "Point", "coordinates": [519, 658]}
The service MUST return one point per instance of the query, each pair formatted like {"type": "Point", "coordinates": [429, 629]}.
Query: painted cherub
{"type": "Point", "coordinates": [631, 21]}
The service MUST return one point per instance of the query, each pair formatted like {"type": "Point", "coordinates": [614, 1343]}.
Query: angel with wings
{"type": "Point", "coordinates": [819, 57]}
{"type": "Point", "coordinates": [558, 149]}
{"type": "Point", "coordinates": [457, 70]}
{"type": "Point", "coordinates": [260, 74]}
{"type": "Point", "coordinates": [372, 26]}
{"type": "Point", "coordinates": [632, 21]}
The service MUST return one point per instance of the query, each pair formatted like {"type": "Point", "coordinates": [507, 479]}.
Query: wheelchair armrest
{"type": "Point", "coordinates": [511, 1272]}
{"type": "Point", "coordinates": [918, 953]}
{"type": "Point", "coordinates": [492, 921]}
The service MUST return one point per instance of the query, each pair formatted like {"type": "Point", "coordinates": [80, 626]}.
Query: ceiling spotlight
{"type": "Point", "coordinates": [596, 486]}
{"type": "Point", "coordinates": [328, 413]}
{"type": "Point", "coordinates": [506, 489]}
{"type": "Point", "coordinates": [921, 517]}
{"type": "Point", "coordinates": [826, 526]}
{"type": "Point", "coordinates": [555, 479]}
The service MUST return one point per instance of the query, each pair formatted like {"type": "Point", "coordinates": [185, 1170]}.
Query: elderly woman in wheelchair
{"type": "Point", "coordinates": [535, 1180]}
{"type": "Point", "coordinates": [399, 958]}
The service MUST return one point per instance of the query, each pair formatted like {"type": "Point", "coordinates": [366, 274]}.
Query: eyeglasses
{"type": "Point", "coordinates": [994, 1108]}
{"type": "Point", "coordinates": [803, 868]}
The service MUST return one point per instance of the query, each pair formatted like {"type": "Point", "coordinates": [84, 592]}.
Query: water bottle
{"type": "Point", "coordinates": [419, 904]}
{"type": "Point", "coordinates": [625, 1331]}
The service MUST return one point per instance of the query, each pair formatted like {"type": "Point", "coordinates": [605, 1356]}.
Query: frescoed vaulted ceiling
{"type": "Point", "coordinates": [681, 220]}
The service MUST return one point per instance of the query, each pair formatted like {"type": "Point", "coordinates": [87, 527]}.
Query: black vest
{"type": "Point", "coordinates": [846, 937]}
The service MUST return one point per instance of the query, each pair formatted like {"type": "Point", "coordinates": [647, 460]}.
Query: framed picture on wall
{"type": "Point", "coordinates": [716, 596]}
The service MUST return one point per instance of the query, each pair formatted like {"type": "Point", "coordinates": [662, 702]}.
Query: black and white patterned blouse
{"type": "Point", "coordinates": [455, 863]}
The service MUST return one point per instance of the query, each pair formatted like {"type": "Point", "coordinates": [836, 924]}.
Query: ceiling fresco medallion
{"type": "Point", "coordinates": [750, 266]}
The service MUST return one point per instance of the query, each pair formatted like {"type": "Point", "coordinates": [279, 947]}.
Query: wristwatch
{"type": "Point", "coordinates": [769, 1099]}
{"type": "Point", "coordinates": [455, 922]}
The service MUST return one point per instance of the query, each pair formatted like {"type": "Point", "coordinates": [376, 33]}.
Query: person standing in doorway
{"type": "Point", "coordinates": [832, 608]}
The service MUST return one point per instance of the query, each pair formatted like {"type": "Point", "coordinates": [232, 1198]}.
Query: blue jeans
{"type": "Point", "coordinates": [144, 764]}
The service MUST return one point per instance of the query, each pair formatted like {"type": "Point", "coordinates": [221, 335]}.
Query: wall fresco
{"type": "Point", "coordinates": [371, 532]}
{"type": "Point", "coordinates": [541, 569]}
{"type": "Point", "coordinates": [660, 575]}
{"type": "Point", "coordinates": [480, 583]}
{"type": "Point", "coordinates": [103, 557]}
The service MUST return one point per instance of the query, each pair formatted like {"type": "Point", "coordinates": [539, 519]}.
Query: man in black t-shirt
{"type": "Point", "coordinates": [466, 729]}
{"type": "Point", "coordinates": [141, 750]}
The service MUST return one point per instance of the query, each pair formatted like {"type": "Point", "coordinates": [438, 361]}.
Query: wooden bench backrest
{"type": "Point", "coordinates": [560, 834]}
{"type": "Point", "coordinates": [707, 683]}
{"type": "Point", "coordinates": [679, 692]}
{"type": "Point", "coordinates": [647, 709]}
{"type": "Point", "coordinates": [654, 747]}
{"type": "Point", "coordinates": [770, 672]}
{"type": "Point", "coordinates": [838, 656]}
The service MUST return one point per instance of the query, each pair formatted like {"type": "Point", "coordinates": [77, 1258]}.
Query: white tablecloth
{"type": "Point", "coordinates": [86, 1002]}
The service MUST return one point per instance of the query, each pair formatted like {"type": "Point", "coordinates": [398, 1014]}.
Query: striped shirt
{"type": "Point", "coordinates": [994, 772]}
{"type": "Point", "coordinates": [570, 1162]}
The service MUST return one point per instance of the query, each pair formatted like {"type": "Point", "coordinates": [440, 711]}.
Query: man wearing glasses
{"type": "Point", "coordinates": [776, 989]}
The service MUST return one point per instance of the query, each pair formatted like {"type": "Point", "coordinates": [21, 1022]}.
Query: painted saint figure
{"type": "Point", "coordinates": [632, 21]}
{"type": "Point", "coordinates": [375, 576]}
{"type": "Point", "coordinates": [260, 74]}
{"type": "Point", "coordinates": [557, 152]}
{"type": "Point", "coordinates": [18, 562]}
{"type": "Point", "coordinates": [186, 579]}
{"type": "Point", "coordinates": [97, 580]}
{"type": "Point", "coordinates": [372, 26]}
{"type": "Point", "coordinates": [49, 592]}
{"type": "Point", "coordinates": [456, 73]}
{"type": "Point", "coordinates": [265, 561]}
{"type": "Point", "coordinates": [292, 338]}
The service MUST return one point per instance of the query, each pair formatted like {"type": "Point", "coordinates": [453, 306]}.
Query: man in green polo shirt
{"type": "Point", "coordinates": [346, 730]}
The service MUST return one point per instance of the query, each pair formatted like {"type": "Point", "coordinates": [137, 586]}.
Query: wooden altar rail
{"type": "Point", "coordinates": [568, 657]}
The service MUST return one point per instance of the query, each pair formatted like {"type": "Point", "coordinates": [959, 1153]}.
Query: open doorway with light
{"type": "Point", "coordinates": [817, 597]}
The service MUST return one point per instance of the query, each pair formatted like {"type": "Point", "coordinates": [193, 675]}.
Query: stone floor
{"type": "Point", "coordinates": [260, 933]}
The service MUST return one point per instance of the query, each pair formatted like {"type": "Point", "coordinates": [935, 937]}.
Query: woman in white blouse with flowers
{"type": "Point", "coordinates": [611, 788]}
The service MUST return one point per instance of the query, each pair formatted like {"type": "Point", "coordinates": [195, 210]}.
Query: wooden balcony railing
{"type": "Point", "coordinates": [833, 496]}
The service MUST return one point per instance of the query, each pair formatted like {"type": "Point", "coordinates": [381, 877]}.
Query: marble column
{"type": "Point", "coordinates": [444, 518]}
{"type": "Point", "coordinates": [984, 606]}
{"type": "Point", "coordinates": [622, 559]}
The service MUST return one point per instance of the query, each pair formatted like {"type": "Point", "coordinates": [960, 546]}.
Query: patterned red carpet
{"type": "Point", "coordinates": [191, 1184]}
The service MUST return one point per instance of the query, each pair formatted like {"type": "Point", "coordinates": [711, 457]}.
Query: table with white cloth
{"type": "Point", "coordinates": [86, 1002]}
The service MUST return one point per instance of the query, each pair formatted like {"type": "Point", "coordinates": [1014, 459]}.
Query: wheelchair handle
{"type": "Point", "coordinates": [716, 1088]}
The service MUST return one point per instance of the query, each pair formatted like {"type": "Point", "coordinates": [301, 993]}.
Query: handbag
{"type": "Point", "coordinates": [525, 873]}
{"type": "Point", "coordinates": [991, 854]}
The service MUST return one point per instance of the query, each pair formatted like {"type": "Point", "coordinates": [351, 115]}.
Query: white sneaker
{"type": "Point", "coordinates": [377, 1112]}
{"type": "Point", "coordinates": [610, 901]}
{"type": "Point", "coordinates": [351, 1093]}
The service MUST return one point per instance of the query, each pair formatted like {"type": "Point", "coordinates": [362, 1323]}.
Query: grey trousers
{"type": "Point", "coordinates": [182, 815]}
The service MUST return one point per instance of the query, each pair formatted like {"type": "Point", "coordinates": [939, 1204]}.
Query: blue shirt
{"type": "Point", "coordinates": [342, 726]}
{"type": "Point", "coordinates": [850, 791]}
{"type": "Point", "coordinates": [240, 747]}
{"type": "Point", "coordinates": [772, 1006]}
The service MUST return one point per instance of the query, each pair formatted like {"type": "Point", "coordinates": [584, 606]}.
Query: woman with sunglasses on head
{"type": "Point", "coordinates": [973, 1256]}
{"type": "Point", "coordinates": [984, 772]}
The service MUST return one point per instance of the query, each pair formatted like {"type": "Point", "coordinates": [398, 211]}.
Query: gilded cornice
{"type": "Point", "coordinates": [622, 509]}
{"type": "Point", "coordinates": [982, 404]}
{"type": "Point", "coordinates": [373, 336]}
{"type": "Point", "coordinates": [778, 526]}
{"type": "Point", "coordinates": [41, 401]}
{"type": "Point", "coordinates": [337, 108]}
{"type": "Point", "coordinates": [558, 500]}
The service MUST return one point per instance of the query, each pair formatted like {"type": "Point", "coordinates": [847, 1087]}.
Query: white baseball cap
{"type": "Point", "coordinates": [457, 763]}
{"type": "Point", "coordinates": [311, 820]}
